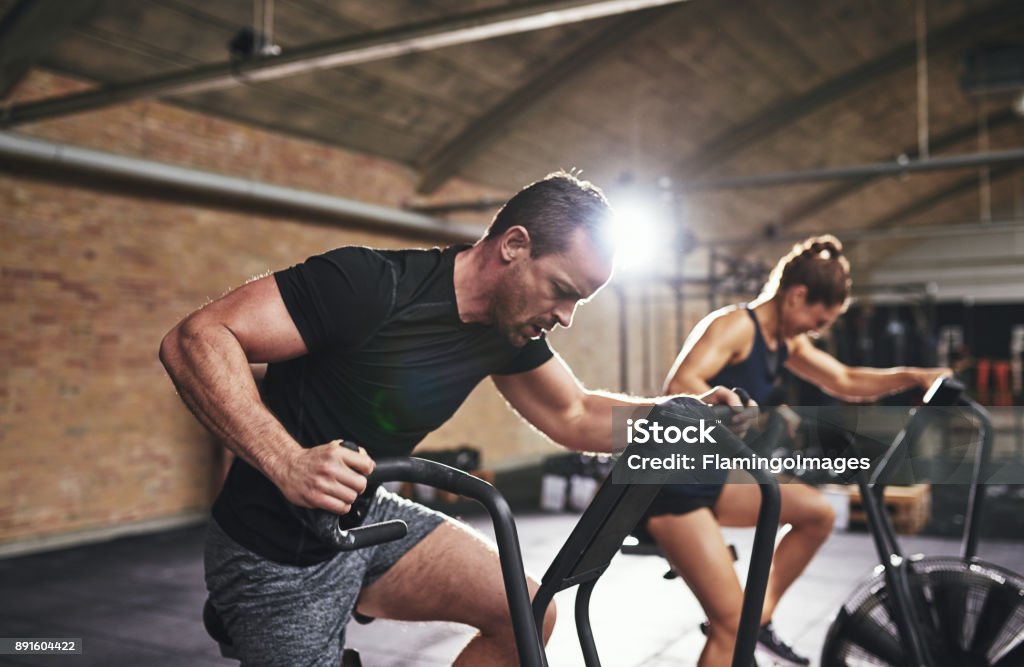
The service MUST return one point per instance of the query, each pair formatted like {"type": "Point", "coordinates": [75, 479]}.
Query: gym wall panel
{"type": "Point", "coordinates": [92, 434]}
{"type": "Point", "coordinates": [987, 267]}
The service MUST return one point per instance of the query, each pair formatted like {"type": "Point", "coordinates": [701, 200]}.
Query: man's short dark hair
{"type": "Point", "coordinates": [551, 209]}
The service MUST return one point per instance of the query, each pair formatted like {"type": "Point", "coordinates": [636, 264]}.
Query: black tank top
{"type": "Point", "coordinates": [760, 371]}
{"type": "Point", "coordinates": [757, 374]}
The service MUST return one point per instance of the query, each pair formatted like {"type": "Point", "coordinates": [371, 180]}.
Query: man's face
{"type": "Point", "coordinates": [811, 319]}
{"type": "Point", "coordinates": [536, 295]}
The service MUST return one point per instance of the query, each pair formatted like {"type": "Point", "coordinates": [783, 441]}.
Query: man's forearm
{"type": "Point", "coordinates": [593, 430]}
{"type": "Point", "coordinates": [213, 377]}
{"type": "Point", "coordinates": [593, 427]}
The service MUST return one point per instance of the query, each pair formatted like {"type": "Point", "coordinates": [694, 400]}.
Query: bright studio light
{"type": "Point", "coordinates": [639, 234]}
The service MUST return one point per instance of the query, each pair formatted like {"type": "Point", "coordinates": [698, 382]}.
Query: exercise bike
{"type": "Point", "coordinates": [585, 555]}
{"type": "Point", "coordinates": [922, 611]}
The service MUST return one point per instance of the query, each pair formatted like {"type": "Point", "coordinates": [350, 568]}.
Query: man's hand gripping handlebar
{"type": "Point", "coordinates": [326, 525]}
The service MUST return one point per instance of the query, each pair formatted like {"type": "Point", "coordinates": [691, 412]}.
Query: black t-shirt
{"type": "Point", "coordinates": [389, 361]}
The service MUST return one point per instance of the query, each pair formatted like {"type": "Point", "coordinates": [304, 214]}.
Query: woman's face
{"type": "Point", "coordinates": [800, 317]}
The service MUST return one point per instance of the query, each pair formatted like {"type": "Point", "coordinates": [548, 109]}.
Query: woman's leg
{"type": "Point", "coordinates": [694, 546]}
{"type": "Point", "coordinates": [804, 508]}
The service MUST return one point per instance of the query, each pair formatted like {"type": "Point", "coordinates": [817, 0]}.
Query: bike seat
{"type": "Point", "coordinates": [644, 546]}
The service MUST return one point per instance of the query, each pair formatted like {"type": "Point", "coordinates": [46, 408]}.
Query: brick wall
{"type": "Point", "coordinates": [91, 432]}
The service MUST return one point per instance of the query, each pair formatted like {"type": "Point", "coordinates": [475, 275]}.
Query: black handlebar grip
{"type": "Point", "coordinates": [944, 391]}
{"type": "Point", "coordinates": [325, 525]}
{"type": "Point", "coordinates": [368, 536]}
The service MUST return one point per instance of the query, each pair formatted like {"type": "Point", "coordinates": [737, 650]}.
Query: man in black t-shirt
{"type": "Point", "coordinates": [380, 348]}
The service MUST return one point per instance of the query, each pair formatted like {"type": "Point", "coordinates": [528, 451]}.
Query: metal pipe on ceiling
{"type": "Point", "coordinates": [483, 204]}
{"type": "Point", "coordinates": [906, 232]}
{"type": "Point", "coordinates": [18, 150]}
{"type": "Point", "coordinates": [390, 43]}
{"type": "Point", "coordinates": [896, 168]}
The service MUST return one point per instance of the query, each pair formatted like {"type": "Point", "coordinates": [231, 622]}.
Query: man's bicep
{"type": "Point", "coordinates": [257, 317]}
{"type": "Point", "coordinates": [340, 298]}
{"type": "Point", "coordinates": [548, 396]}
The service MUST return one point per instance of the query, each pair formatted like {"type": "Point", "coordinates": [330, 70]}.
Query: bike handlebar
{"type": "Point", "coordinates": [446, 478]}
{"type": "Point", "coordinates": [944, 392]}
{"type": "Point", "coordinates": [764, 535]}
{"type": "Point", "coordinates": [326, 525]}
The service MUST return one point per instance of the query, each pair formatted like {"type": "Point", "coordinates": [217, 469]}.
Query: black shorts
{"type": "Point", "coordinates": [684, 498]}
{"type": "Point", "coordinates": [679, 499]}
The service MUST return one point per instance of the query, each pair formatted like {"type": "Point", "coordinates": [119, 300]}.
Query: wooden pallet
{"type": "Point", "coordinates": [909, 506]}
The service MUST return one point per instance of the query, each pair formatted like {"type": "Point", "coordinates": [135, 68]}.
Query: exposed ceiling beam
{"type": "Point", "coordinates": [29, 30]}
{"type": "Point", "coordinates": [390, 43]}
{"type": "Point", "coordinates": [856, 171]}
{"type": "Point", "coordinates": [835, 194]}
{"type": "Point", "coordinates": [950, 37]}
{"type": "Point", "coordinates": [445, 161]}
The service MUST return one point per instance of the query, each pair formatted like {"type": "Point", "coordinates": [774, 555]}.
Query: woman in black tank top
{"type": "Point", "coordinates": [747, 346]}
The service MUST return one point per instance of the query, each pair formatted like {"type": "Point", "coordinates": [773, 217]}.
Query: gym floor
{"type": "Point", "coordinates": [137, 601]}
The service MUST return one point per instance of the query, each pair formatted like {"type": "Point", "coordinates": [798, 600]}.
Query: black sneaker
{"type": "Point", "coordinates": [782, 653]}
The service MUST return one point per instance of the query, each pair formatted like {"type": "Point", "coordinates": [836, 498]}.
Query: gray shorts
{"type": "Point", "coordinates": [291, 615]}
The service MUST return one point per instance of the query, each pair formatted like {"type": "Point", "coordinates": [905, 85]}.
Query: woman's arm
{"type": "Point", "coordinates": [855, 383]}
{"type": "Point", "coordinates": [716, 341]}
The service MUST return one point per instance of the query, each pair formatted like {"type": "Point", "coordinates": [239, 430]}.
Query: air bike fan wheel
{"type": "Point", "coordinates": [973, 613]}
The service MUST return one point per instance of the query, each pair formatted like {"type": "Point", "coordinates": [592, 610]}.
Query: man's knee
{"type": "Point", "coordinates": [550, 614]}
{"type": "Point", "coordinates": [497, 621]}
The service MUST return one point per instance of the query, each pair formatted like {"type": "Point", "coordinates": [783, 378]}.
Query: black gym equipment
{"type": "Point", "coordinates": [930, 611]}
{"type": "Point", "coordinates": [587, 552]}
{"type": "Point", "coordinates": [615, 511]}
{"type": "Point", "coordinates": [764, 444]}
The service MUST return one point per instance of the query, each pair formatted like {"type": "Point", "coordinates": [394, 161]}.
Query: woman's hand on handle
{"type": "Point", "coordinates": [744, 413]}
{"type": "Point", "coordinates": [328, 477]}
{"type": "Point", "coordinates": [790, 418]}
{"type": "Point", "coordinates": [927, 376]}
